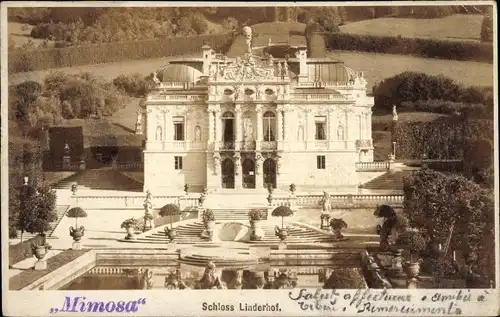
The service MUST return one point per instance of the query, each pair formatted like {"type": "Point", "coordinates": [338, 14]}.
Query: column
{"type": "Point", "coordinates": [238, 137]}
{"type": "Point", "coordinates": [259, 171]}
{"type": "Point", "coordinates": [211, 125]}
{"type": "Point", "coordinates": [346, 130]}
{"type": "Point", "coordinates": [238, 177]}
{"type": "Point", "coordinates": [279, 134]}
{"type": "Point", "coordinates": [218, 128]}
{"type": "Point", "coordinates": [310, 129]}
{"type": "Point", "coordinates": [258, 141]}
{"type": "Point", "coordinates": [330, 128]}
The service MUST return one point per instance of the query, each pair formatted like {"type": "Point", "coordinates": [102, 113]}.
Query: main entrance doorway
{"type": "Point", "coordinates": [269, 173]}
{"type": "Point", "coordinates": [248, 168]}
{"type": "Point", "coordinates": [227, 171]}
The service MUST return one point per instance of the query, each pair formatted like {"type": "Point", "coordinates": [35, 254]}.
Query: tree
{"type": "Point", "coordinates": [487, 26]}
{"type": "Point", "coordinates": [434, 202]}
{"type": "Point", "coordinates": [36, 210]}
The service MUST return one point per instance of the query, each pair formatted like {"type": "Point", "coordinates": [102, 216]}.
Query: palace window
{"type": "Point", "coordinates": [178, 128]}
{"type": "Point", "coordinates": [178, 162]}
{"type": "Point", "coordinates": [320, 162]}
{"type": "Point", "coordinates": [269, 125]}
{"type": "Point", "coordinates": [320, 123]}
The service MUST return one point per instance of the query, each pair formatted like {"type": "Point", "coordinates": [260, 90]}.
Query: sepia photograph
{"type": "Point", "coordinates": [302, 147]}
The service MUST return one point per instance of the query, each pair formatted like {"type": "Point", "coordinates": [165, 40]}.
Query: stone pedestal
{"type": "Point", "coordinates": [77, 245]}
{"type": "Point", "coordinates": [66, 162]}
{"type": "Point", "coordinates": [282, 245]}
{"type": "Point", "coordinates": [41, 264]}
{"type": "Point", "coordinates": [412, 283]}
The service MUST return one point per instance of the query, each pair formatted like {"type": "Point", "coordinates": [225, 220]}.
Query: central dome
{"type": "Point", "coordinates": [180, 73]}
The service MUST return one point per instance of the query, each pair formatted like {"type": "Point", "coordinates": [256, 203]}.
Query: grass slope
{"type": "Point", "coordinates": [458, 27]}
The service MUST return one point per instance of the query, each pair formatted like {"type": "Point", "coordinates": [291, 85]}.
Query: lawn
{"type": "Point", "coordinates": [19, 34]}
{"type": "Point", "coordinates": [27, 277]}
{"type": "Point", "coordinates": [458, 27]}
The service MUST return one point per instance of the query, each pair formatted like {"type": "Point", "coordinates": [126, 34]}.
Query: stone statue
{"type": "Point", "coordinates": [155, 78]}
{"type": "Point", "coordinates": [197, 133]}
{"type": "Point", "coordinates": [247, 32]}
{"type": "Point", "coordinates": [147, 279]}
{"type": "Point", "coordinates": [236, 281]}
{"type": "Point", "coordinates": [216, 164]}
{"type": "Point", "coordinates": [285, 68]}
{"type": "Point", "coordinates": [248, 129]}
{"type": "Point", "coordinates": [340, 133]}
{"type": "Point", "coordinates": [67, 149]}
{"type": "Point", "coordinates": [210, 280]}
{"type": "Point", "coordinates": [138, 123]}
{"type": "Point", "coordinates": [394, 114]}
{"type": "Point", "coordinates": [326, 202]}
{"type": "Point", "coordinates": [270, 60]}
{"type": "Point", "coordinates": [258, 163]}
{"type": "Point", "coordinates": [260, 92]}
{"type": "Point", "coordinates": [278, 70]}
{"type": "Point", "coordinates": [159, 134]}
{"type": "Point", "coordinates": [173, 281]}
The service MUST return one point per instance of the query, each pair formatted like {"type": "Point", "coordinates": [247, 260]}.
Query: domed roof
{"type": "Point", "coordinates": [330, 72]}
{"type": "Point", "coordinates": [179, 73]}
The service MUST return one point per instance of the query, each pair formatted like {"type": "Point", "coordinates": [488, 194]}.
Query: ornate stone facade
{"type": "Point", "coordinates": [255, 120]}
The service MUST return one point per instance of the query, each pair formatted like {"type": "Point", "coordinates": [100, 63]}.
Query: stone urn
{"type": "Point", "coordinates": [209, 223]}
{"type": "Point", "coordinates": [186, 189]}
{"type": "Point", "coordinates": [171, 233]}
{"type": "Point", "coordinates": [412, 269]}
{"type": "Point", "coordinates": [40, 250]}
{"type": "Point", "coordinates": [256, 216]}
{"type": "Point", "coordinates": [337, 225]}
{"type": "Point", "coordinates": [76, 233]}
{"type": "Point", "coordinates": [129, 226]}
{"type": "Point", "coordinates": [292, 189]}
{"type": "Point", "coordinates": [281, 233]}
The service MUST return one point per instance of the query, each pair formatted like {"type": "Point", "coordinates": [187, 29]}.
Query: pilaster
{"type": "Point", "coordinates": [238, 138]}
{"type": "Point", "coordinates": [258, 141]}
{"type": "Point", "coordinates": [279, 128]}
{"type": "Point", "coordinates": [238, 177]}
{"type": "Point", "coordinates": [331, 128]}
{"type": "Point", "coordinates": [259, 171]}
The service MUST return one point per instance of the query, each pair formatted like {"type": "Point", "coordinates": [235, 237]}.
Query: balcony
{"type": "Point", "coordinates": [269, 145]}
{"type": "Point", "coordinates": [226, 145]}
{"type": "Point", "coordinates": [320, 144]}
{"type": "Point", "coordinates": [247, 145]}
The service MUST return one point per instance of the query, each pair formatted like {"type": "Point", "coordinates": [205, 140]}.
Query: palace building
{"type": "Point", "coordinates": [256, 120]}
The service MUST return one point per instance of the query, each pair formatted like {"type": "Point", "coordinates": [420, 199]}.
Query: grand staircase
{"type": "Point", "coordinates": [190, 234]}
{"type": "Point", "coordinates": [392, 180]}
{"type": "Point", "coordinates": [106, 179]}
{"type": "Point", "coordinates": [225, 214]}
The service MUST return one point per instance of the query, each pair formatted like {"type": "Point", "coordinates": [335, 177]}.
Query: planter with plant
{"type": "Point", "coordinates": [337, 224]}
{"type": "Point", "coordinates": [208, 219]}
{"type": "Point", "coordinates": [40, 249]}
{"type": "Point", "coordinates": [129, 225]}
{"type": "Point", "coordinates": [170, 210]}
{"type": "Point", "coordinates": [186, 189]}
{"type": "Point", "coordinates": [415, 243]}
{"type": "Point", "coordinates": [292, 189]}
{"type": "Point", "coordinates": [76, 232]}
{"type": "Point", "coordinates": [282, 211]}
{"type": "Point", "coordinates": [256, 215]}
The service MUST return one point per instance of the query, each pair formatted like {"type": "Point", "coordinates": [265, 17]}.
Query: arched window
{"type": "Point", "coordinates": [269, 126]}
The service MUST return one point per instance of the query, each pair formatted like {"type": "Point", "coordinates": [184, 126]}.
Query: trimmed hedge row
{"type": "Point", "coordinates": [22, 251]}
{"type": "Point", "coordinates": [23, 61]}
{"type": "Point", "coordinates": [429, 48]}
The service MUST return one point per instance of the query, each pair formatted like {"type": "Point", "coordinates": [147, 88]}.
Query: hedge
{"type": "Point", "coordinates": [23, 61]}
{"type": "Point", "coordinates": [429, 48]}
{"type": "Point", "coordinates": [22, 251]}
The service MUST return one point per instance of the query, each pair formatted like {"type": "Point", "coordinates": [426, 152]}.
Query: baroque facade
{"type": "Point", "coordinates": [256, 120]}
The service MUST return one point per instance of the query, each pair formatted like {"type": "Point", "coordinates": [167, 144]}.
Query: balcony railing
{"type": "Point", "coordinates": [247, 145]}
{"type": "Point", "coordinates": [226, 145]}
{"type": "Point", "coordinates": [269, 145]}
{"type": "Point", "coordinates": [319, 97]}
{"type": "Point", "coordinates": [372, 166]}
